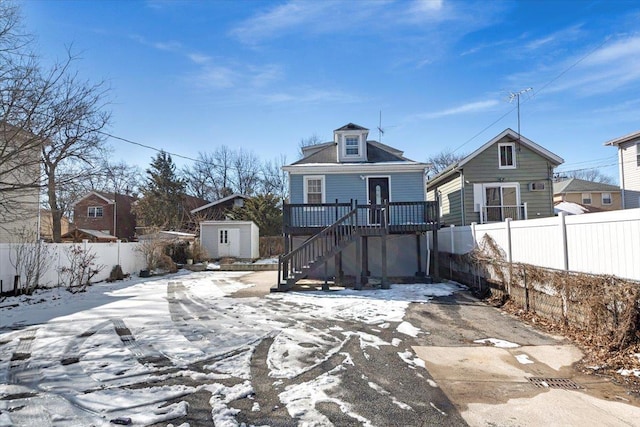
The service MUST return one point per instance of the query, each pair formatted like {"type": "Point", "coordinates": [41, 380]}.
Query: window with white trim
{"type": "Point", "coordinates": [606, 198]}
{"type": "Point", "coordinates": [507, 155]}
{"type": "Point", "coordinates": [586, 198]}
{"type": "Point", "coordinates": [94, 212]}
{"type": "Point", "coordinates": [351, 145]}
{"type": "Point", "coordinates": [314, 189]}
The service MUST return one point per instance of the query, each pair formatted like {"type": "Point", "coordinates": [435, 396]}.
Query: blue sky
{"type": "Point", "coordinates": [189, 76]}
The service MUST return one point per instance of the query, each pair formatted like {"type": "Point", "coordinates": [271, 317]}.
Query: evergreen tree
{"type": "Point", "coordinates": [162, 199]}
{"type": "Point", "coordinates": [264, 211]}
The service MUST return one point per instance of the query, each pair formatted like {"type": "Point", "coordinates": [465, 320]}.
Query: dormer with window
{"type": "Point", "coordinates": [351, 142]}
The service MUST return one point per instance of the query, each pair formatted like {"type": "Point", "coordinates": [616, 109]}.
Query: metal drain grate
{"type": "Point", "coordinates": [563, 383]}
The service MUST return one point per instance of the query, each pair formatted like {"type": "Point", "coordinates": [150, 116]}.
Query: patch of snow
{"type": "Point", "coordinates": [221, 396]}
{"type": "Point", "coordinates": [255, 407]}
{"type": "Point", "coordinates": [437, 409]}
{"type": "Point", "coordinates": [408, 329]}
{"type": "Point", "coordinates": [496, 342]}
{"type": "Point", "coordinates": [396, 342]}
{"type": "Point", "coordinates": [523, 359]}
{"type": "Point", "coordinates": [432, 383]}
{"type": "Point", "coordinates": [273, 260]}
{"type": "Point", "coordinates": [407, 356]}
{"type": "Point", "coordinates": [629, 372]}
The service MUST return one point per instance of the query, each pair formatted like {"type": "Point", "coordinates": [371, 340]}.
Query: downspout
{"type": "Point", "coordinates": [462, 197]}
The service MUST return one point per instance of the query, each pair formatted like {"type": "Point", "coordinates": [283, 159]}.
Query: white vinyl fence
{"type": "Point", "coordinates": [597, 243]}
{"type": "Point", "coordinates": [108, 255]}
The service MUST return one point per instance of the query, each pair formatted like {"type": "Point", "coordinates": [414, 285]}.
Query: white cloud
{"type": "Point", "coordinates": [622, 50]}
{"type": "Point", "coordinates": [472, 107]}
{"type": "Point", "coordinates": [216, 77]}
{"type": "Point", "coordinates": [199, 58]}
{"type": "Point", "coordinates": [310, 96]}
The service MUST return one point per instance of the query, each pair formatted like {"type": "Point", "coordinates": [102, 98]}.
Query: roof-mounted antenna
{"type": "Point", "coordinates": [516, 96]}
{"type": "Point", "coordinates": [380, 130]}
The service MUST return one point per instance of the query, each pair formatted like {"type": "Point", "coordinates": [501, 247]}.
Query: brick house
{"type": "Point", "coordinates": [95, 211]}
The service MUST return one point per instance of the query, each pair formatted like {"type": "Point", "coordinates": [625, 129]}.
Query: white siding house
{"type": "Point", "coordinates": [629, 168]}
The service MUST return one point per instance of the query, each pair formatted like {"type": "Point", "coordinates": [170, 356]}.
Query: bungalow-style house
{"type": "Point", "coordinates": [109, 213]}
{"type": "Point", "coordinates": [508, 177]}
{"type": "Point", "coordinates": [587, 193]}
{"type": "Point", "coordinates": [629, 168]}
{"type": "Point", "coordinates": [357, 207]}
{"type": "Point", "coordinates": [19, 182]}
{"type": "Point", "coordinates": [77, 235]}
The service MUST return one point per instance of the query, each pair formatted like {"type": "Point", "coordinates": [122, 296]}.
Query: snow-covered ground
{"type": "Point", "coordinates": [135, 349]}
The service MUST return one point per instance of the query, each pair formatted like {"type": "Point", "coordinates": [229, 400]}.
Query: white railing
{"type": "Point", "coordinates": [596, 243]}
{"type": "Point", "coordinates": [500, 213]}
{"type": "Point", "coordinates": [108, 255]}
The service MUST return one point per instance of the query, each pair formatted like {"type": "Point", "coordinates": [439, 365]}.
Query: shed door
{"type": "Point", "coordinates": [229, 242]}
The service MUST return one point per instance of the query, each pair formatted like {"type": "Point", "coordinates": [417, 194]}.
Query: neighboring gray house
{"type": "Point", "coordinates": [353, 197]}
{"type": "Point", "coordinates": [629, 168]}
{"type": "Point", "coordinates": [508, 177]}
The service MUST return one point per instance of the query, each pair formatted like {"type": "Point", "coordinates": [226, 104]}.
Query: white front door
{"type": "Point", "coordinates": [229, 242]}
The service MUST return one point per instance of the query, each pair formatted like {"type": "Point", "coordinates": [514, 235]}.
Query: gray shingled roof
{"type": "Point", "coordinates": [376, 153]}
{"type": "Point", "coordinates": [575, 185]}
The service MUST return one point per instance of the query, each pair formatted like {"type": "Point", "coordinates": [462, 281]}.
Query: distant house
{"type": "Point", "coordinates": [109, 213]}
{"type": "Point", "coordinates": [629, 168]}
{"type": "Point", "coordinates": [216, 211]}
{"type": "Point", "coordinates": [77, 235]}
{"type": "Point", "coordinates": [19, 182]}
{"type": "Point", "coordinates": [46, 225]}
{"type": "Point", "coordinates": [588, 193]}
{"type": "Point", "coordinates": [508, 177]}
{"type": "Point", "coordinates": [357, 208]}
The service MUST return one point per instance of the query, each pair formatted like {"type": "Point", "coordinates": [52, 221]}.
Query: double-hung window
{"type": "Point", "coordinates": [352, 145]}
{"type": "Point", "coordinates": [507, 155]}
{"type": "Point", "coordinates": [314, 189]}
{"type": "Point", "coordinates": [606, 198]}
{"type": "Point", "coordinates": [586, 198]}
{"type": "Point", "coordinates": [95, 212]}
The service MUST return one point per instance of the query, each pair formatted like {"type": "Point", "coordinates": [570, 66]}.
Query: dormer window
{"type": "Point", "coordinates": [352, 145]}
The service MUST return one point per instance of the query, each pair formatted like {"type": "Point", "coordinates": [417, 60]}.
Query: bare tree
{"type": "Point", "coordinates": [274, 180]}
{"type": "Point", "coordinates": [222, 161]}
{"type": "Point", "coordinates": [306, 142]}
{"type": "Point", "coordinates": [594, 175]}
{"type": "Point", "coordinates": [30, 258]}
{"type": "Point", "coordinates": [246, 172]}
{"type": "Point", "coordinates": [200, 178]}
{"type": "Point", "coordinates": [442, 160]}
{"type": "Point", "coordinates": [71, 118]}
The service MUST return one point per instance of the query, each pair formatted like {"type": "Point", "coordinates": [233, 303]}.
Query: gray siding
{"type": "Point", "coordinates": [404, 187]}
{"type": "Point", "coordinates": [530, 167]}
{"type": "Point", "coordinates": [450, 200]}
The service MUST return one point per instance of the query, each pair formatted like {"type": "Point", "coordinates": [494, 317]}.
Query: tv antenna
{"type": "Point", "coordinates": [380, 130]}
{"type": "Point", "coordinates": [516, 96]}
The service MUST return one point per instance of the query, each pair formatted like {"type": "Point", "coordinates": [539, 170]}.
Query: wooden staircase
{"type": "Point", "coordinates": [319, 249]}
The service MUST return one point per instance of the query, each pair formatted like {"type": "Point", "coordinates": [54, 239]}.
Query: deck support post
{"type": "Point", "coordinates": [365, 259]}
{"type": "Point", "coordinates": [419, 273]}
{"type": "Point", "coordinates": [325, 285]}
{"type": "Point", "coordinates": [384, 284]}
{"type": "Point", "coordinates": [339, 274]}
{"type": "Point", "coordinates": [358, 284]}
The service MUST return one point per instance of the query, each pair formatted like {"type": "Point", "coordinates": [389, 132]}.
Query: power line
{"type": "Point", "coordinates": [535, 92]}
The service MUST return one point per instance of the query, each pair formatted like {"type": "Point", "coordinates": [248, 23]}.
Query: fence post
{"type": "Point", "coordinates": [526, 214]}
{"type": "Point", "coordinates": [118, 243]}
{"type": "Point", "coordinates": [507, 223]}
{"type": "Point", "coordinates": [563, 236]}
{"type": "Point", "coordinates": [453, 250]}
{"type": "Point", "coordinates": [474, 235]}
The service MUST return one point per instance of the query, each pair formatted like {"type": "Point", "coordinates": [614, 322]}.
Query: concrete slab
{"type": "Point", "coordinates": [489, 387]}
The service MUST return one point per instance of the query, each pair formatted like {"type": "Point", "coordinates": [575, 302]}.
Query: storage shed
{"type": "Point", "coordinates": [237, 239]}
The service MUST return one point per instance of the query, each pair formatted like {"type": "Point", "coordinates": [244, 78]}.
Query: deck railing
{"type": "Point", "coordinates": [398, 217]}
{"type": "Point", "coordinates": [502, 212]}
